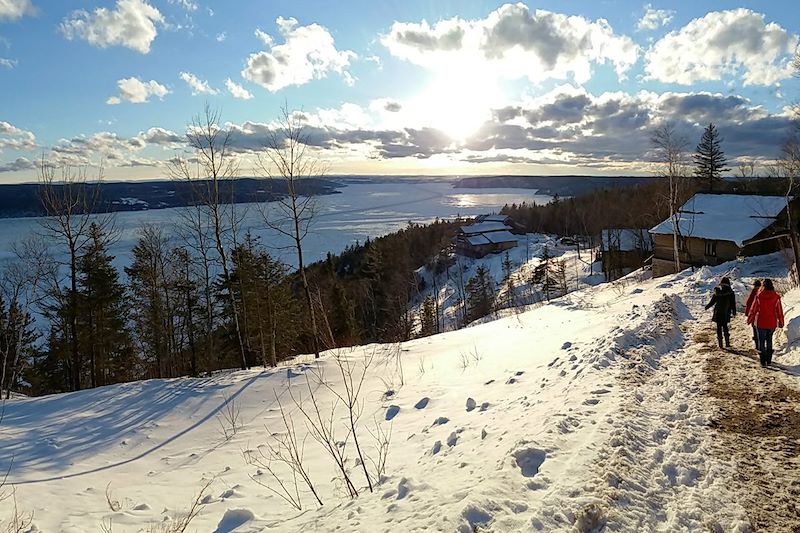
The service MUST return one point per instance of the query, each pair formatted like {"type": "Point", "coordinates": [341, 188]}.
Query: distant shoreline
{"type": "Point", "coordinates": [22, 200]}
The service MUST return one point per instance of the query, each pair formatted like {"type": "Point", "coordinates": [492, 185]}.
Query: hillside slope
{"type": "Point", "coordinates": [589, 412]}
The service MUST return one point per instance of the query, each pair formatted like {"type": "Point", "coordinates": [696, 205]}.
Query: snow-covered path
{"type": "Point", "coordinates": [756, 418]}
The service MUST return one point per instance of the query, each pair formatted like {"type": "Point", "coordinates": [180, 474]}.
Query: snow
{"type": "Point", "coordinates": [584, 414]}
{"type": "Point", "coordinates": [492, 218]}
{"type": "Point", "coordinates": [484, 227]}
{"type": "Point", "coordinates": [523, 258]}
{"type": "Point", "coordinates": [725, 217]}
{"type": "Point", "coordinates": [492, 237]}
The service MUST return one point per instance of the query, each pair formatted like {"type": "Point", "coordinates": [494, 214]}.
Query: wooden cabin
{"type": "Point", "coordinates": [485, 236]}
{"type": "Point", "coordinates": [623, 250]}
{"type": "Point", "coordinates": [716, 228]}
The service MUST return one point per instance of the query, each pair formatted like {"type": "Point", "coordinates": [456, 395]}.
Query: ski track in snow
{"type": "Point", "coordinates": [587, 414]}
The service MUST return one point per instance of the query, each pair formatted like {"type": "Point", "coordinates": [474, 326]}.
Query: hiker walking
{"type": "Point", "coordinates": [724, 304]}
{"type": "Point", "coordinates": [748, 308]}
{"type": "Point", "coordinates": [766, 314]}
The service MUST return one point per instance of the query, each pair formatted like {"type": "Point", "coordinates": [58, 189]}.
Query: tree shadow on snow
{"type": "Point", "coordinates": [82, 424]}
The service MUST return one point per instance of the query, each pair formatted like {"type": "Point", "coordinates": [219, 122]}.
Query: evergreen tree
{"type": "Point", "coordinates": [342, 320]}
{"type": "Point", "coordinates": [549, 276]}
{"type": "Point", "coordinates": [151, 292]}
{"type": "Point", "coordinates": [103, 315]}
{"type": "Point", "coordinates": [428, 317]}
{"type": "Point", "coordinates": [508, 267]}
{"type": "Point", "coordinates": [480, 294]}
{"type": "Point", "coordinates": [709, 159]}
{"type": "Point", "coordinates": [268, 311]}
{"type": "Point", "coordinates": [187, 306]}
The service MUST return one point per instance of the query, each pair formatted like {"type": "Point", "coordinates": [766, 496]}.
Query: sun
{"type": "Point", "coordinates": [457, 103]}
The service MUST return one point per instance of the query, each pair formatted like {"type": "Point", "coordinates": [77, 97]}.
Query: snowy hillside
{"type": "Point", "coordinates": [584, 413]}
{"type": "Point", "coordinates": [514, 290]}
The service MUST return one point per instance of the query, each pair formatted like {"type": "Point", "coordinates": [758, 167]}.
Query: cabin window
{"type": "Point", "coordinates": [711, 248]}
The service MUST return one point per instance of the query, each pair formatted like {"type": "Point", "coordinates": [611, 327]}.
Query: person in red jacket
{"type": "Point", "coordinates": [766, 314]}
{"type": "Point", "coordinates": [749, 306]}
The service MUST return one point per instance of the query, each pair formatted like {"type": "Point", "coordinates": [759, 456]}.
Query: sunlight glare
{"type": "Point", "coordinates": [458, 103]}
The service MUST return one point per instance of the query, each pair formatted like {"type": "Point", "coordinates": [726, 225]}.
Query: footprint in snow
{"type": "Point", "coordinates": [392, 411]}
{"type": "Point", "coordinates": [566, 346]}
{"type": "Point", "coordinates": [437, 447]}
{"type": "Point", "coordinates": [591, 401]}
{"type": "Point", "coordinates": [489, 382]}
{"type": "Point", "coordinates": [511, 381]}
{"type": "Point", "coordinates": [452, 439]}
{"type": "Point", "coordinates": [470, 404]}
{"type": "Point", "coordinates": [484, 406]}
{"type": "Point", "coordinates": [440, 421]}
{"type": "Point", "coordinates": [529, 460]}
{"type": "Point", "coordinates": [422, 404]}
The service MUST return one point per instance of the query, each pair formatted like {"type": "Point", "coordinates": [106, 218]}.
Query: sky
{"type": "Point", "coordinates": [417, 87]}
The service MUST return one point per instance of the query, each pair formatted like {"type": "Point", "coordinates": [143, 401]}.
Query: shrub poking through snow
{"type": "Point", "coordinates": [325, 422]}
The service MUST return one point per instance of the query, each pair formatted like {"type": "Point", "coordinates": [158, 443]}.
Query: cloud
{"type": "Point", "coordinates": [16, 9]}
{"type": "Point", "coordinates": [8, 63]}
{"type": "Point", "coordinates": [136, 91]}
{"type": "Point", "coordinates": [237, 91]}
{"type": "Point", "coordinates": [386, 104]}
{"type": "Point", "coordinates": [162, 137]}
{"type": "Point", "coordinates": [188, 5]}
{"type": "Point", "coordinates": [654, 18]}
{"type": "Point", "coordinates": [198, 86]}
{"type": "Point", "coordinates": [14, 138]}
{"type": "Point", "coordinates": [308, 53]}
{"type": "Point", "coordinates": [723, 44]}
{"type": "Point", "coordinates": [616, 126]}
{"type": "Point", "coordinates": [221, 37]}
{"type": "Point", "coordinates": [132, 25]}
{"type": "Point", "coordinates": [514, 42]}
{"type": "Point", "coordinates": [83, 150]}
{"type": "Point", "coordinates": [20, 163]}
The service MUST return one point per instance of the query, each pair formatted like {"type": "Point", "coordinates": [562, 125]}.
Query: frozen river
{"type": "Point", "coordinates": [362, 210]}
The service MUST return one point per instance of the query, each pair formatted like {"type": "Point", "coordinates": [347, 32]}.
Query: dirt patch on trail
{"type": "Point", "coordinates": [757, 421]}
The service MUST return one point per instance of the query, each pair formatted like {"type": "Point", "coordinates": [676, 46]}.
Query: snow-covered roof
{"type": "Point", "coordinates": [493, 237]}
{"type": "Point", "coordinates": [483, 227]}
{"type": "Point", "coordinates": [476, 240]}
{"type": "Point", "coordinates": [493, 218]}
{"type": "Point", "coordinates": [625, 239]}
{"type": "Point", "coordinates": [725, 217]}
{"type": "Point", "coordinates": [498, 237]}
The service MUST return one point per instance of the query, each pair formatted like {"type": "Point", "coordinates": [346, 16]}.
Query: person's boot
{"type": "Point", "coordinates": [719, 341]}
{"type": "Point", "coordinates": [762, 358]}
{"type": "Point", "coordinates": [727, 341]}
{"type": "Point", "coordinates": [769, 356]}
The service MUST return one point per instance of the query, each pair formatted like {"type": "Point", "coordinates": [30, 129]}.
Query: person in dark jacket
{"type": "Point", "coordinates": [766, 314]}
{"type": "Point", "coordinates": [724, 304]}
{"type": "Point", "coordinates": [749, 307]}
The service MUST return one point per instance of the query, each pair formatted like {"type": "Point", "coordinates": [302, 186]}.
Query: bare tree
{"type": "Point", "coordinates": [17, 293]}
{"type": "Point", "coordinates": [69, 196]}
{"type": "Point", "coordinates": [670, 153]}
{"type": "Point", "coordinates": [196, 260]}
{"type": "Point", "coordinates": [286, 157]}
{"type": "Point", "coordinates": [212, 173]}
{"type": "Point", "coordinates": [287, 449]}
